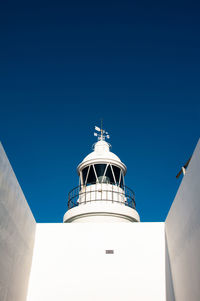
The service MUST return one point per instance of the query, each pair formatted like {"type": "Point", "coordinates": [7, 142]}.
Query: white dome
{"type": "Point", "coordinates": [101, 150]}
{"type": "Point", "coordinates": [102, 154]}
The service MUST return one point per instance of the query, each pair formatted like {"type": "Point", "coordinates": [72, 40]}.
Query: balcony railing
{"type": "Point", "coordinates": [101, 192]}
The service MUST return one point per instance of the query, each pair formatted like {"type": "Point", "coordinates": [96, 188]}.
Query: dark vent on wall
{"type": "Point", "coordinates": [109, 251]}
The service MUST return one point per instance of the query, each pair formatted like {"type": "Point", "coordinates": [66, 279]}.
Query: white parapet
{"type": "Point", "coordinates": [95, 262]}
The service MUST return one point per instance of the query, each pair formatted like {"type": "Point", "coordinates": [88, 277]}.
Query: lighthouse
{"type": "Point", "coordinates": [101, 195]}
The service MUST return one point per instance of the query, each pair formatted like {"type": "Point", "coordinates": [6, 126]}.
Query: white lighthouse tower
{"type": "Point", "coordinates": [101, 195]}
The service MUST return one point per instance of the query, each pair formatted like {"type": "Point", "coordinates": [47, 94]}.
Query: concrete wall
{"type": "Point", "coordinates": [69, 262]}
{"type": "Point", "coordinates": [17, 230]}
{"type": "Point", "coordinates": [183, 234]}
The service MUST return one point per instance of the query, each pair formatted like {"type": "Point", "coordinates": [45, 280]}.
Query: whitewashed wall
{"type": "Point", "coordinates": [69, 262]}
{"type": "Point", "coordinates": [17, 229]}
{"type": "Point", "coordinates": [183, 234]}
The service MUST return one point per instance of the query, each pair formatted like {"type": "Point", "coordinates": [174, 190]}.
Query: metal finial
{"type": "Point", "coordinates": [101, 129]}
{"type": "Point", "coordinates": [103, 134]}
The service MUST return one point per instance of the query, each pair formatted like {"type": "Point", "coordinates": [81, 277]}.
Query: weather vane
{"type": "Point", "coordinates": [102, 134]}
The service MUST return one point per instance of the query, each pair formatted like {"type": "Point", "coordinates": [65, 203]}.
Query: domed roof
{"type": "Point", "coordinates": [101, 150]}
{"type": "Point", "coordinates": [102, 154]}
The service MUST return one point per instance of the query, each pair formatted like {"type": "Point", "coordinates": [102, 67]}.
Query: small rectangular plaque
{"type": "Point", "coordinates": [109, 251]}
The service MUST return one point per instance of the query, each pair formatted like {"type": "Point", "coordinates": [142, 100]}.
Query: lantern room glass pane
{"type": "Point", "coordinates": [91, 177]}
{"type": "Point", "coordinates": [109, 176]}
{"type": "Point", "coordinates": [100, 169]}
{"type": "Point", "coordinates": [122, 180]}
{"type": "Point", "coordinates": [84, 172]}
{"type": "Point", "coordinates": [116, 171]}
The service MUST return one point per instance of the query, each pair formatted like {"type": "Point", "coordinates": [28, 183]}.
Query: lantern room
{"type": "Point", "coordinates": [101, 194]}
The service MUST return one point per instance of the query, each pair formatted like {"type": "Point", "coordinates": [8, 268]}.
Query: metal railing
{"type": "Point", "coordinates": [101, 192]}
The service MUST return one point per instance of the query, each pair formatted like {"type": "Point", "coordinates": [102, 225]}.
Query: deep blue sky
{"type": "Point", "coordinates": [65, 65]}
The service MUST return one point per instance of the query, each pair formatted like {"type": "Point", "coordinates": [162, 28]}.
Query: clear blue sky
{"type": "Point", "coordinates": [65, 65]}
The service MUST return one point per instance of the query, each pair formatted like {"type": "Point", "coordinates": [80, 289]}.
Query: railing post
{"type": "Point", "coordinates": [112, 194]}
{"type": "Point", "coordinates": [107, 194]}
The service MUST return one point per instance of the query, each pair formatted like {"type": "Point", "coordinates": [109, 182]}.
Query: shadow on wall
{"type": "Point", "coordinates": [168, 275]}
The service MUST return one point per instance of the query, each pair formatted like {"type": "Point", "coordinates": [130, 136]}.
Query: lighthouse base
{"type": "Point", "coordinates": [101, 211]}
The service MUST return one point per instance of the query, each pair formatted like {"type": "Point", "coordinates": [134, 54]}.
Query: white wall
{"type": "Point", "coordinates": [183, 234]}
{"type": "Point", "coordinates": [69, 262]}
{"type": "Point", "coordinates": [17, 229]}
